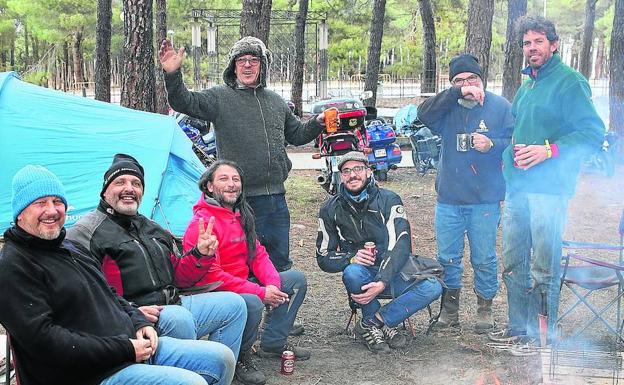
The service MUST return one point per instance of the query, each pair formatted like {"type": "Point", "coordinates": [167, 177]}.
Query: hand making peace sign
{"type": "Point", "coordinates": [207, 243]}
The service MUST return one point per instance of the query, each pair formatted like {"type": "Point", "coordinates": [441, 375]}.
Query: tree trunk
{"type": "Point", "coordinates": [137, 88]}
{"type": "Point", "coordinates": [585, 58]}
{"type": "Point", "coordinates": [66, 80]}
{"type": "Point", "coordinates": [35, 49]}
{"type": "Point", "coordinates": [374, 51]}
{"type": "Point", "coordinates": [12, 55]}
{"type": "Point", "coordinates": [26, 53]}
{"type": "Point", "coordinates": [479, 33]}
{"type": "Point", "coordinates": [298, 73]}
{"type": "Point", "coordinates": [600, 60]}
{"type": "Point", "coordinates": [162, 106]}
{"type": "Point", "coordinates": [513, 52]}
{"type": "Point", "coordinates": [616, 78]}
{"type": "Point", "coordinates": [256, 19]}
{"type": "Point", "coordinates": [77, 53]}
{"type": "Point", "coordinates": [102, 51]}
{"type": "Point", "coordinates": [428, 82]}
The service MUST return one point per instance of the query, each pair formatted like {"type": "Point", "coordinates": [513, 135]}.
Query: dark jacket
{"type": "Point", "coordinates": [471, 177]}
{"type": "Point", "coordinates": [66, 324]}
{"type": "Point", "coordinates": [138, 256]}
{"type": "Point", "coordinates": [556, 106]}
{"type": "Point", "coordinates": [251, 126]}
{"type": "Point", "coordinates": [344, 227]}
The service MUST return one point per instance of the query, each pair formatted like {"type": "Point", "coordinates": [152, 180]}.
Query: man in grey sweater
{"type": "Point", "coordinates": [251, 125]}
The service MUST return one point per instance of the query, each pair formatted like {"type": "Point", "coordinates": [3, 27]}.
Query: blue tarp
{"type": "Point", "coordinates": [76, 139]}
{"type": "Point", "coordinates": [404, 116]}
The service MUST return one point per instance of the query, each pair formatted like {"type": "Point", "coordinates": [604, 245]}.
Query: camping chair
{"type": "Point", "coordinates": [9, 365]}
{"type": "Point", "coordinates": [591, 275]}
{"type": "Point", "coordinates": [407, 324]}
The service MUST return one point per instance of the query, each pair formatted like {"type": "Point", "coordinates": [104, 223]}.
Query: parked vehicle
{"type": "Point", "coordinates": [349, 136]}
{"type": "Point", "coordinates": [425, 146]}
{"type": "Point", "coordinates": [384, 153]}
{"type": "Point", "coordinates": [204, 142]}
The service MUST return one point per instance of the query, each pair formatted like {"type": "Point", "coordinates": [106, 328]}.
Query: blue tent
{"type": "Point", "coordinates": [76, 139]}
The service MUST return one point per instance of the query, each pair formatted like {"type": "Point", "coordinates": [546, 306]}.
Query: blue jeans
{"type": "Point", "coordinates": [180, 362]}
{"type": "Point", "coordinates": [219, 315]}
{"type": "Point", "coordinates": [281, 318]}
{"type": "Point", "coordinates": [273, 227]}
{"type": "Point", "coordinates": [533, 225]}
{"type": "Point", "coordinates": [409, 297]}
{"type": "Point", "coordinates": [480, 223]}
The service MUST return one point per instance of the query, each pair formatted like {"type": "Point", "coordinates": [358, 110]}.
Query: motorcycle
{"type": "Point", "coordinates": [204, 141]}
{"type": "Point", "coordinates": [426, 147]}
{"type": "Point", "coordinates": [384, 153]}
{"type": "Point", "coordinates": [350, 135]}
{"type": "Point", "coordinates": [603, 161]}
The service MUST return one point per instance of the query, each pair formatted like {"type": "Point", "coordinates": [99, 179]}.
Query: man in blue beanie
{"type": "Point", "coordinates": [66, 325]}
{"type": "Point", "coordinates": [475, 126]}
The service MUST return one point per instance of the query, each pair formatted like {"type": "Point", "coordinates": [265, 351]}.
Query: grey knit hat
{"type": "Point", "coordinates": [353, 155]}
{"type": "Point", "coordinates": [248, 45]}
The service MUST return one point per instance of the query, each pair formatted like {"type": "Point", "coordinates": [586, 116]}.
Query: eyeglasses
{"type": "Point", "coordinates": [470, 80]}
{"type": "Point", "coordinates": [253, 61]}
{"type": "Point", "coordinates": [356, 169]}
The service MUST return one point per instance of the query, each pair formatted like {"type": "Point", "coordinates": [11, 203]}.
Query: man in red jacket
{"type": "Point", "coordinates": [240, 254]}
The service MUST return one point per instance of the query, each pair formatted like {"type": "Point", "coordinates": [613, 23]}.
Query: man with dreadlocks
{"type": "Point", "coordinates": [239, 254]}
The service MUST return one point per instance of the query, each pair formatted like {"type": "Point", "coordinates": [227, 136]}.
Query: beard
{"type": "Point", "coordinates": [126, 207]}
{"type": "Point", "coordinates": [50, 234]}
{"type": "Point", "coordinates": [224, 200]}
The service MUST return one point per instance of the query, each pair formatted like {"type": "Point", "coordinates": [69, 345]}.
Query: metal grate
{"type": "Point", "coordinates": [602, 363]}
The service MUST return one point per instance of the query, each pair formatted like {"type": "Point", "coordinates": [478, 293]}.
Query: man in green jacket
{"type": "Point", "coordinates": [251, 124]}
{"type": "Point", "coordinates": [556, 124]}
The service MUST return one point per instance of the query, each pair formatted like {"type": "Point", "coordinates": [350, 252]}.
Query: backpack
{"type": "Point", "coordinates": [418, 268]}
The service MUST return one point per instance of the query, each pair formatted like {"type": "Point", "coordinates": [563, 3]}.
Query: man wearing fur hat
{"type": "Point", "coordinates": [142, 262]}
{"type": "Point", "coordinates": [362, 212]}
{"type": "Point", "coordinates": [251, 125]}
{"type": "Point", "coordinates": [66, 325]}
{"type": "Point", "coordinates": [475, 126]}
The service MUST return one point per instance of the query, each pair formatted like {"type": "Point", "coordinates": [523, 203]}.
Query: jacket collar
{"type": "Point", "coordinates": [18, 235]}
{"type": "Point", "coordinates": [121, 219]}
{"type": "Point", "coordinates": [544, 70]}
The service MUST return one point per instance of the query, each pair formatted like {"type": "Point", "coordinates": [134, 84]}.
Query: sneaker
{"type": "Point", "coordinates": [246, 371]}
{"type": "Point", "coordinates": [296, 330]}
{"type": "Point", "coordinates": [524, 349]}
{"type": "Point", "coordinates": [373, 337]}
{"type": "Point", "coordinates": [301, 354]}
{"type": "Point", "coordinates": [393, 338]}
{"type": "Point", "coordinates": [505, 336]}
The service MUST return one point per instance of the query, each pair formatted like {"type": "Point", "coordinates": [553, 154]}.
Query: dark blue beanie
{"type": "Point", "coordinates": [31, 183]}
{"type": "Point", "coordinates": [464, 63]}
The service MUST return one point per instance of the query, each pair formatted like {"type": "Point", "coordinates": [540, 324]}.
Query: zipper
{"type": "Point", "coordinates": [266, 135]}
{"type": "Point", "coordinates": [165, 255]}
{"type": "Point", "coordinates": [146, 258]}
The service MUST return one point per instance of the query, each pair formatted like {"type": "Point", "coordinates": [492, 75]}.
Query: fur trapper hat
{"type": "Point", "coordinates": [248, 45]}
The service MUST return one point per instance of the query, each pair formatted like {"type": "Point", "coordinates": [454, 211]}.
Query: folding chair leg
{"type": "Point", "coordinates": [353, 318]}
{"type": "Point", "coordinates": [7, 373]}
{"type": "Point", "coordinates": [409, 325]}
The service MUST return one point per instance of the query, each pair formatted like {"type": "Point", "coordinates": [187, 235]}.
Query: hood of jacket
{"type": "Point", "coordinates": [248, 45]}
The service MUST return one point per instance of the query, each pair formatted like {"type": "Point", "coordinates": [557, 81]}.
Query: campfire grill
{"type": "Point", "coordinates": [602, 364]}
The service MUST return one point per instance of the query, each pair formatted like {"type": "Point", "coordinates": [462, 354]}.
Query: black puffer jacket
{"type": "Point", "coordinates": [66, 324]}
{"type": "Point", "coordinates": [344, 227]}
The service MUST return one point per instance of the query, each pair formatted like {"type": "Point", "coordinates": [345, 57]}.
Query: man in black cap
{"type": "Point", "coordinates": [251, 124]}
{"type": "Point", "coordinates": [361, 213]}
{"type": "Point", "coordinates": [140, 260]}
{"type": "Point", "coordinates": [475, 126]}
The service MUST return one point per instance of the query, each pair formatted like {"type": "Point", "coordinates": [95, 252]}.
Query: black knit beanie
{"type": "Point", "coordinates": [464, 63]}
{"type": "Point", "coordinates": [122, 164]}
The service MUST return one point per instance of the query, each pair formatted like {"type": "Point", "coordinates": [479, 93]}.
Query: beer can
{"type": "Point", "coordinates": [331, 120]}
{"type": "Point", "coordinates": [370, 247]}
{"type": "Point", "coordinates": [288, 362]}
{"type": "Point", "coordinates": [515, 150]}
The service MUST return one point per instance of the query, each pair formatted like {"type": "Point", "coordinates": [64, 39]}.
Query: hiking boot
{"type": "Point", "coordinates": [301, 354]}
{"type": "Point", "coordinates": [505, 336]}
{"type": "Point", "coordinates": [393, 338]}
{"type": "Point", "coordinates": [485, 320]}
{"type": "Point", "coordinates": [373, 337]}
{"type": "Point", "coordinates": [449, 314]}
{"type": "Point", "coordinates": [246, 371]}
{"type": "Point", "coordinates": [296, 330]}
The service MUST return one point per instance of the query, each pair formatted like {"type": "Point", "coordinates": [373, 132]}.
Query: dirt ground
{"type": "Point", "coordinates": [453, 357]}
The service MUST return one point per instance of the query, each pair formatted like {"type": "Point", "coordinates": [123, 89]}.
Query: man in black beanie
{"type": "Point", "coordinates": [475, 126]}
{"type": "Point", "coordinates": [140, 260]}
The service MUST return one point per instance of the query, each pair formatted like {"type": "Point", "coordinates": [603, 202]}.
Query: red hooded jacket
{"type": "Point", "coordinates": [232, 264]}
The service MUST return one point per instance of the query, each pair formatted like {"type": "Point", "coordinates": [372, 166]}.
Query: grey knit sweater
{"type": "Point", "coordinates": [251, 126]}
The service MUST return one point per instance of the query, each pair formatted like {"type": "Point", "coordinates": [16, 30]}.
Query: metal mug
{"type": "Point", "coordinates": [465, 142]}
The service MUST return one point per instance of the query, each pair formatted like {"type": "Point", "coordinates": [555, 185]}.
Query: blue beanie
{"type": "Point", "coordinates": [34, 182]}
